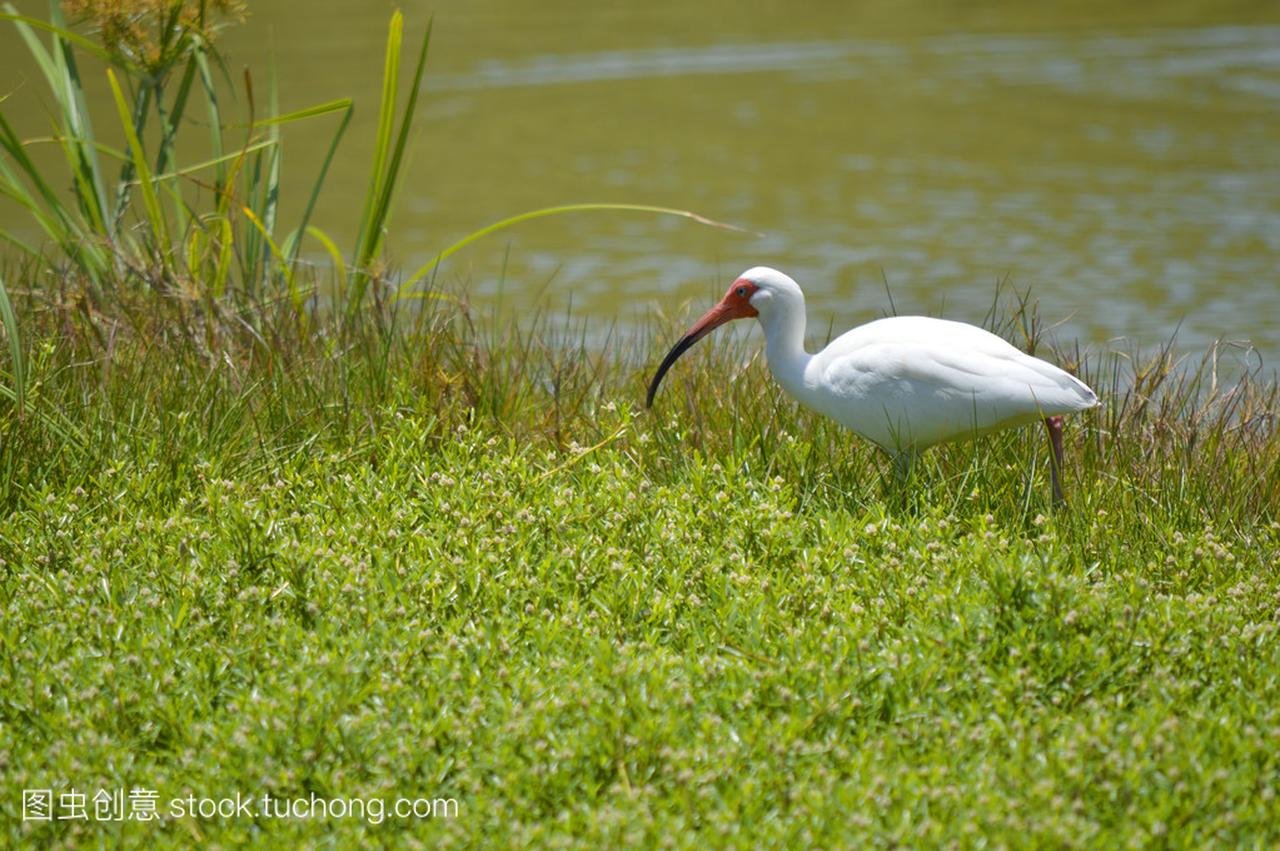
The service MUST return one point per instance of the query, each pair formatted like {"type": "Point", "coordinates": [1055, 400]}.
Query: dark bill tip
{"type": "Point", "coordinates": [672, 356]}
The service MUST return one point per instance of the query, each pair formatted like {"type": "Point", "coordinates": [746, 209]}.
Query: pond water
{"type": "Point", "coordinates": [1123, 163]}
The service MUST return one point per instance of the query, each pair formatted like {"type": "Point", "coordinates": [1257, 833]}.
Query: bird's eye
{"type": "Point", "coordinates": [742, 292]}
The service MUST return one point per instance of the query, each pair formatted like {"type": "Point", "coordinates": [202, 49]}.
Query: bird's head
{"type": "Point", "coordinates": [759, 291]}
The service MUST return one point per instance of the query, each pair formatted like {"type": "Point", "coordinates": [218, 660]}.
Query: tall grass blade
{"type": "Point", "coordinates": [82, 154]}
{"type": "Point", "coordinates": [390, 179]}
{"type": "Point", "coordinates": [201, 58]}
{"type": "Point", "coordinates": [388, 157]}
{"type": "Point", "coordinates": [226, 241]}
{"type": "Point", "coordinates": [319, 109]}
{"type": "Point", "coordinates": [58, 67]}
{"type": "Point", "coordinates": [188, 170]}
{"type": "Point", "coordinates": [17, 359]}
{"type": "Point", "coordinates": [294, 241]}
{"type": "Point", "coordinates": [61, 224]}
{"type": "Point", "coordinates": [138, 123]}
{"type": "Point", "coordinates": [13, 189]}
{"type": "Point", "coordinates": [61, 32]}
{"type": "Point", "coordinates": [382, 141]}
{"type": "Point", "coordinates": [339, 265]}
{"type": "Point", "coordinates": [295, 295]}
{"type": "Point", "coordinates": [171, 119]}
{"type": "Point", "coordinates": [271, 197]}
{"type": "Point", "coordinates": [251, 247]}
{"type": "Point", "coordinates": [426, 268]}
{"type": "Point", "coordinates": [155, 214]}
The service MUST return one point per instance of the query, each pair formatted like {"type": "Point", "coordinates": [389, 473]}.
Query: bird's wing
{"type": "Point", "coordinates": [938, 380]}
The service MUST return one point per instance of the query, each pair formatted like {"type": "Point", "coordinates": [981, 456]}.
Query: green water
{"type": "Point", "coordinates": [1122, 162]}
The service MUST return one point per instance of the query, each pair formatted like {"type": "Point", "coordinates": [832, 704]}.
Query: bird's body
{"type": "Point", "coordinates": [909, 382]}
{"type": "Point", "coordinates": [904, 383]}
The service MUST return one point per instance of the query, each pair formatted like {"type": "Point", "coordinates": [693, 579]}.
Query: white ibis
{"type": "Point", "coordinates": [906, 382]}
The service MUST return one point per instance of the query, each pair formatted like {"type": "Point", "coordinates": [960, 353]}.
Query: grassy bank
{"type": "Point", "coordinates": [267, 530]}
{"type": "Point", "coordinates": [460, 563]}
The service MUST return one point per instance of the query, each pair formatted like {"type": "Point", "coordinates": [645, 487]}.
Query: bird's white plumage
{"type": "Point", "coordinates": [909, 382]}
{"type": "Point", "coordinates": [913, 381]}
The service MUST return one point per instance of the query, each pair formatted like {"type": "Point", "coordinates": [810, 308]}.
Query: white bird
{"type": "Point", "coordinates": [906, 382]}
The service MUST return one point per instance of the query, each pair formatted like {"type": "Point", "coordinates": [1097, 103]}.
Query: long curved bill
{"type": "Point", "coordinates": [711, 320]}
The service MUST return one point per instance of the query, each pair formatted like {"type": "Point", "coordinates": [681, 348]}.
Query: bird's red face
{"type": "Point", "coordinates": [736, 304]}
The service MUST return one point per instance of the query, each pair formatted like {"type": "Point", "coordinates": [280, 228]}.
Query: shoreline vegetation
{"type": "Point", "coordinates": [394, 548]}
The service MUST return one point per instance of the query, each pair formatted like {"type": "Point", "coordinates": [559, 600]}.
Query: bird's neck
{"type": "Point", "coordinates": [784, 347]}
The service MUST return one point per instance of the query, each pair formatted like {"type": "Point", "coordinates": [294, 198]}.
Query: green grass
{"type": "Point", "coordinates": [270, 528]}
{"type": "Point", "coordinates": [460, 562]}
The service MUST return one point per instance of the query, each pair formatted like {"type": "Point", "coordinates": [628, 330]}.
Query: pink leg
{"type": "Point", "coordinates": [1054, 425]}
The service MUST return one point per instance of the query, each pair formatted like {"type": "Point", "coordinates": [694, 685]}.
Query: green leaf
{"type": "Point", "coordinates": [295, 294]}
{"type": "Point", "coordinates": [61, 32]}
{"type": "Point", "coordinates": [310, 112]}
{"type": "Point", "coordinates": [17, 358]}
{"type": "Point", "coordinates": [293, 243]}
{"type": "Point", "coordinates": [155, 214]}
{"type": "Point", "coordinates": [201, 59]}
{"type": "Point", "coordinates": [388, 156]}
